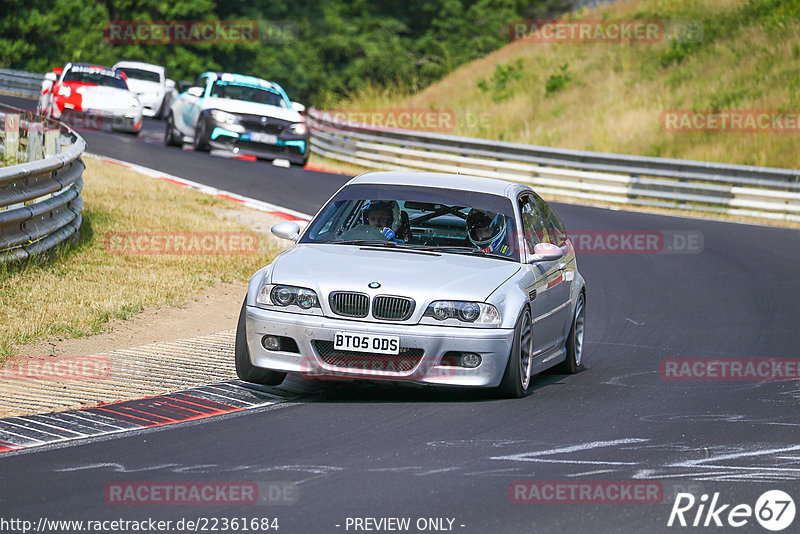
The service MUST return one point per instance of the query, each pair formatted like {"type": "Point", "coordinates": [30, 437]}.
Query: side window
{"type": "Point", "coordinates": [533, 227]}
{"type": "Point", "coordinates": [553, 224]}
{"type": "Point", "coordinates": [200, 82]}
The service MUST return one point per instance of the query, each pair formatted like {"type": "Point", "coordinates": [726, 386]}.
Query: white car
{"type": "Point", "coordinates": [239, 114]}
{"type": "Point", "coordinates": [90, 97]}
{"type": "Point", "coordinates": [150, 84]}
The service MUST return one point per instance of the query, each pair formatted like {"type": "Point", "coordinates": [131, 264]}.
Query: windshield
{"type": "Point", "coordinates": [426, 218]}
{"type": "Point", "coordinates": [95, 76]}
{"type": "Point", "coordinates": [248, 93]}
{"type": "Point", "coordinates": [139, 74]}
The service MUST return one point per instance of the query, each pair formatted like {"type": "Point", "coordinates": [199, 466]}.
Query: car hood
{"type": "Point", "coordinates": [421, 276]}
{"type": "Point", "coordinates": [143, 86]}
{"type": "Point", "coordinates": [252, 108]}
{"type": "Point", "coordinates": [102, 97]}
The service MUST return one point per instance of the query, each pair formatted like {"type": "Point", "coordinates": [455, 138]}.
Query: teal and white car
{"type": "Point", "coordinates": [241, 114]}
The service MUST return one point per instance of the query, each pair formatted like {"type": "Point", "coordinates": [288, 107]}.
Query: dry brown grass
{"type": "Point", "coordinates": [617, 91]}
{"type": "Point", "coordinates": [83, 286]}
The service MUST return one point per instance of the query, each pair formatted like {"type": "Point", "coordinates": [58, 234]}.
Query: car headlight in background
{"type": "Point", "coordinates": [298, 128]}
{"type": "Point", "coordinates": [466, 312]}
{"type": "Point", "coordinates": [64, 91]}
{"type": "Point", "coordinates": [224, 117]}
{"type": "Point", "coordinates": [150, 95]}
{"type": "Point", "coordinates": [283, 296]}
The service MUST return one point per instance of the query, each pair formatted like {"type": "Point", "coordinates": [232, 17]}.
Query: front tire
{"type": "Point", "coordinates": [170, 138]}
{"type": "Point", "coordinates": [571, 365]}
{"type": "Point", "coordinates": [246, 370]}
{"type": "Point", "coordinates": [201, 137]}
{"type": "Point", "coordinates": [517, 377]}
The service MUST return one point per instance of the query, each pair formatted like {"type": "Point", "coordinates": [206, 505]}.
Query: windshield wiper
{"type": "Point", "coordinates": [456, 249]}
{"type": "Point", "coordinates": [369, 242]}
{"type": "Point", "coordinates": [464, 250]}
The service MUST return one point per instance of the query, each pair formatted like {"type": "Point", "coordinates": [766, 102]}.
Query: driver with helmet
{"type": "Point", "coordinates": [488, 230]}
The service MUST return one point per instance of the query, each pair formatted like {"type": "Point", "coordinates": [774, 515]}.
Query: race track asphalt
{"type": "Point", "coordinates": [366, 450]}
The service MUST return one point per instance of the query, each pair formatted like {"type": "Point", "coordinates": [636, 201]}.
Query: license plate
{"type": "Point", "coordinates": [268, 139]}
{"type": "Point", "coordinates": [366, 343]}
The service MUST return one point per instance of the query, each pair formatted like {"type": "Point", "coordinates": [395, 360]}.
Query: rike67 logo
{"type": "Point", "coordinates": [774, 510]}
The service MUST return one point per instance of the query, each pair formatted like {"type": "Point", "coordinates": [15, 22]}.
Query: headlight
{"type": "Point", "coordinates": [133, 102]}
{"type": "Point", "coordinates": [298, 128]}
{"type": "Point", "coordinates": [283, 296]}
{"type": "Point", "coordinates": [149, 96]}
{"type": "Point", "coordinates": [467, 312]}
{"type": "Point", "coordinates": [64, 91]}
{"type": "Point", "coordinates": [224, 117]}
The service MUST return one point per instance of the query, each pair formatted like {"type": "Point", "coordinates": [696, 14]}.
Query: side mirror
{"type": "Point", "coordinates": [58, 70]}
{"type": "Point", "coordinates": [51, 76]}
{"type": "Point", "coordinates": [298, 107]}
{"type": "Point", "coordinates": [546, 252]}
{"type": "Point", "coordinates": [287, 230]}
{"type": "Point", "coordinates": [195, 91]}
{"type": "Point", "coordinates": [169, 83]}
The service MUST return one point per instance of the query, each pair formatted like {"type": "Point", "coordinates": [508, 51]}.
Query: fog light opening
{"type": "Point", "coordinates": [271, 342]}
{"type": "Point", "coordinates": [470, 360]}
{"type": "Point", "coordinates": [467, 360]}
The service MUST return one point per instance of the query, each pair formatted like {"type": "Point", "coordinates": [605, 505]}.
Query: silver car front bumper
{"type": "Point", "coordinates": [492, 344]}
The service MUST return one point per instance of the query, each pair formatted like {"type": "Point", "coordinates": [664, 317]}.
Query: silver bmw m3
{"type": "Point", "coordinates": [425, 277]}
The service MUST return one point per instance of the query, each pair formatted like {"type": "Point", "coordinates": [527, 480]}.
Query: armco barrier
{"type": "Point", "coordinates": [740, 190]}
{"type": "Point", "coordinates": [21, 83]}
{"type": "Point", "coordinates": [40, 184]}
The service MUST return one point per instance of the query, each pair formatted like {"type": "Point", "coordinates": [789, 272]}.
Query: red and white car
{"type": "Point", "coordinates": [90, 97]}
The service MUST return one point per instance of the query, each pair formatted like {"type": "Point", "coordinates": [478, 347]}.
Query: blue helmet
{"type": "Point", "coordinates": [486, 229]}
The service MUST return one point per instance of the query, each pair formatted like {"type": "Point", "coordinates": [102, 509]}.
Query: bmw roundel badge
{"type": "Point", "coordinates": [374, 285]}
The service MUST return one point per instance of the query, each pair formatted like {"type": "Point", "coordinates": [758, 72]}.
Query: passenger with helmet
{"type": "Point", "coordinates": [488, 231]}
{"type": "Point", "coordinates": [386, 215]}
{"type": "Point", "coordinates": [378, 218]}
{"type": "Point", "coordinates": [381, 214]}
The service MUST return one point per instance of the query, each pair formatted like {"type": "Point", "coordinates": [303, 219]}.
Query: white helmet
{"type": "Point", "coordinates": [486, 229]}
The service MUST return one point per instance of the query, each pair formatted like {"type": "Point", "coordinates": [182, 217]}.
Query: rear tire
{"type": "Point", "coordinates": [246, 370]}
{"type": "Point", "coordinates": [571, 365]}
{"type": "Point", "coordinates": [517, 378]}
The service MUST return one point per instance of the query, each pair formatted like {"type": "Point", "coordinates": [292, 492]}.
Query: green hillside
{"type": "Point", "coordinates": [609, 96]}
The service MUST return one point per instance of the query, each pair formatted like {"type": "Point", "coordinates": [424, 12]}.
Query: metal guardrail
{"type": "Point", "coordinates": [40, 187]}
{"type": "Point", "coordinates": [21, 82]}
{"type": "Point", "coordinates": [740, 190]}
